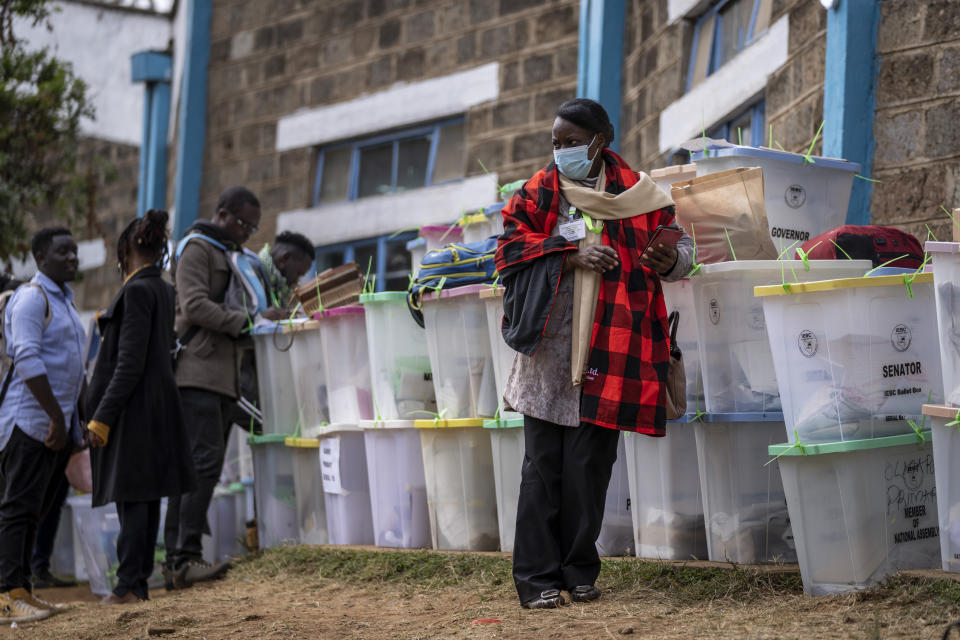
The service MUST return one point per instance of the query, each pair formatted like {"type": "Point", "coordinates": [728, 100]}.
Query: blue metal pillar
{"type": "Point", "coordinates": [192, 117]}
{"type": "Point", "coordinates": [600, 63]}
{"type": "Point", "coordinates": [153, 68]}
{"type": "Point", "coordinates": [849, 93]}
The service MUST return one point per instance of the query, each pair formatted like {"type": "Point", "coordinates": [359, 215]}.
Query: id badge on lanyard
{"type": "Point", "coordinates": [573, 229]}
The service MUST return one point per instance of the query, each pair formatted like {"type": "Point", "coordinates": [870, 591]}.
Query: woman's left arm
{"type": "Point", "coordinates": [684, 261]}
{"type": "Point", "coordinates": [135, 325]}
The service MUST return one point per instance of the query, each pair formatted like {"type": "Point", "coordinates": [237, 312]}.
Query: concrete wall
{"type": "Point", "coordinates": [270, 59]}
{"type": "Point", "coordinates": [917, 125]}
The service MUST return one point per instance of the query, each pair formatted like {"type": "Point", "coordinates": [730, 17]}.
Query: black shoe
{"type": "Point", "coordinates": [584, 593]}
{"type": "Point", "coordinates": [46, 580]}
{"type": "Point", "coordinates": [170, 577]}
{"type": "Point", "coordinates": [549, 599]}
{"type": "Point", "coordinates": [195, 571]}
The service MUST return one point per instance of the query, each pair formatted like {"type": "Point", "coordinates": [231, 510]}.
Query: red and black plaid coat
{"type": "Point", "coordinates": [624, 386]}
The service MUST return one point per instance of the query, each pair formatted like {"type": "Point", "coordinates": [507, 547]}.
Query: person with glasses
{"type": "Point", "coordinates": [210, 349]}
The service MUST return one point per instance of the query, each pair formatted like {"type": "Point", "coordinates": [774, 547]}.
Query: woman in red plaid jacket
{"type": "Point", "coordinates": [584, 309]}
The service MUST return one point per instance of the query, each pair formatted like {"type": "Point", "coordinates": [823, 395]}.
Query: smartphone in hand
{"type": "Point", "coordinates": [668, 236]}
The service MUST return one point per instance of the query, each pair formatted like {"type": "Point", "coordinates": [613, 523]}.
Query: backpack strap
{"type": "Point", "coordinates": [47, 318]}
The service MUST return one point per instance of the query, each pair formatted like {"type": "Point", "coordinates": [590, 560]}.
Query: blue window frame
{"type": "Point", "coordinates": [407, 159]}
{"type": "Point", "coordinates": [722, 32]}
{"type": "Point", "coordinates": [387, 257]}
{"type": "Point", "coordinates": [745, 127]}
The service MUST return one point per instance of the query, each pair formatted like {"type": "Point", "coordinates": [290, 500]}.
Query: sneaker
{"type": "Point", "coordinates": [15, 608]}
{"type": "Point", "coordinates": [198, 571]}
{"type": "Point", "coordinates": [43, 579]}
{"type": "Point", "coordinates": [40, 603]}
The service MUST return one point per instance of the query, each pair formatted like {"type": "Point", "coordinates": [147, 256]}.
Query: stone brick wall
{"type": "Point", "coordinates": [655, 61]}
{"type": "Point", "coordinates": [270, 58]}
{"type": "Point", "coordinates": [917, 154]}
{"type": "Point", "coordinates": [794, 96]}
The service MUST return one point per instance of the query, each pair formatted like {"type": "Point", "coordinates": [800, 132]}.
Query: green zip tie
{"type": "Point", "coordinates": [805, 255]}
{"type": "Point", "coordinates": [739, 137]}
{"type": "Point", "coordinates": [906, 255]}
{"type": "Point", "coordinates": [696, 267]}
{"type": "Point", "coordinates": [930, 233]}
{"type": "Point", "coordinates": [770, 143]}
{"type": "Point", "coordinates": [866, 178]}
{"type": "Point", "coordinates": [590, 224]}
{"type": "Point", "coordinates": [955, 422]}
{"type": "Point", "coordinates": [697, 417]}
{"type": "Point", "coordinates": [730, 244]}
{"type": "Point", "coordinates": [796, 445]}
{"type": "Point", "coordinates": [807, 157]}
{"type": "Point", "coordinates": [917, 430]}
{"type": "Point", "coordinates": [841, 249]}
{"type": "Point", "coordinates": [908, 283]}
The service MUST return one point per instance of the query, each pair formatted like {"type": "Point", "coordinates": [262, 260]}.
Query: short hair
{"type": "Point", "coordinates": [44, 238]}
{"type": "Point", "coordinates": [234, 198]}
{"type": "Point", "coordinates": [298, 241]}
{"type": "Point", "coordinates": [588, 114]}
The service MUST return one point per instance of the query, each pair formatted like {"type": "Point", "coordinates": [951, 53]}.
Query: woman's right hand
{"type": "Point", "coordinates": [599, 258]}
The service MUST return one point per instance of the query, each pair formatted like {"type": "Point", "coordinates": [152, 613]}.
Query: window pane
{"type": "Point", "coordinates": [704, 44]}
{"type": "Point", "coordinates": [745, 134]}
{"type": "Point", "coordinates": [366, 256]}
{"type": "Point", "coordinates": [329, 259]}
{"type": "Point", "coordinates": [412, 163]}
{"type": "Point", "coordinates": [734, 22]}
{"type": "Point", "coordinates": [449, 162]}
{"type": "Point", "coordinates": [763, 17]}
{"type": "Point", "coordinates": [335, 182]}
{"type": "Point", "coordinates": [376, 164]}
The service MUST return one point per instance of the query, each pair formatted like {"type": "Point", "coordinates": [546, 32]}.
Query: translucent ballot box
{"type": "Point", "coordinates": [946, 282]}
{"type": "Point", "coordinates": [861, 510]}
{"type": "Point", "coordinates": [665, 499]}
{"type": "Point", "coordinates": [507, 444]}
{"type": "Point", "coordinates": [346, 485]}
{"type": "Point", "coordinates": [803, 199]}
{"type": "Point", "coordinates": [503, 355]}
{"type": "Point", "coordinates": [943, 421]}
{"type": "Point", "coordinates": [476, 227]}
{"type": "Point", "coordinates": [459, 348]}
{"type": "Point", "coordinates": [278, 398]}
{"type": "Point", "coordinates": [616, 534]}
{"type": "Point", "coordinates": [346, 365]}
{"type": "Point", "coordinates": [308, 489]}
{"type": "Point", "coordinates": [310, 378]}
{"type": "Point", "coordinates": [461, 495]}
{"type": "Point", "coordinates": [678, 297]}
{"type": "Point", "coordinates": [744, 507]}
{"type": "Point", "coordinates": [398, 489]}
{"type": "Point", "coordinates": [735, 360]}
{"type": "Point", "coordinates": [399, 359]}
{"type": "Point", "coordinates": [856, 357]}
{"type": "Point", "coordinates": [274, 491]}
{"type": "Point", "coordinates": [96, 531]}
{"type": "Point", "coordinates": [227, 521]}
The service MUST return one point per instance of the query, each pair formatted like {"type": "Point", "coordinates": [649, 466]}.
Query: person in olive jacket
{"type": "Point", "coordinates": [140, 451]}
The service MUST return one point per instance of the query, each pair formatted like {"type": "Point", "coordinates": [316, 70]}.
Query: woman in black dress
{"type": "Point", "coordinates": [140, 451]}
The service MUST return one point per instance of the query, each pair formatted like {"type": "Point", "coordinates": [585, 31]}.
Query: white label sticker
{"type": "Point", "coordinates": [573, 231]}
{"type": "Point", "coordinates": [330, 465]}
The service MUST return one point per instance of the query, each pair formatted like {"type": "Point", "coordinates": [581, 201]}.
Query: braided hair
{"type": "Point", "coordinates": [148, 234]}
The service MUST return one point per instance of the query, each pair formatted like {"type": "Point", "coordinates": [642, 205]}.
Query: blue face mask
{"type": "Point", "coordinates": [574, 162]}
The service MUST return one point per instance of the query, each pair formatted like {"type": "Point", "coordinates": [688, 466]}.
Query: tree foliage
{"type": "Point", "coordinates": [41, 105]}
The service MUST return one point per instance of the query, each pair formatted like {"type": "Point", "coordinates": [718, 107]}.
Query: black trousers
{"type": "Point", "coordinates": [139, 524]}
{"type": "Point", "coordinates": [47, 531]}
{"type": "Point", "coordinates": [563, 489]}
{"type": "Point", "coordinates": [208, 417]}
{"type": "Point", "coordinates": [29, 474]}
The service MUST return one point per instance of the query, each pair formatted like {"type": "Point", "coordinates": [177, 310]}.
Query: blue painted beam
{"type": "Point", "coordinates": [849, 93]}
{"type": "Point", "coordinates": [192, 116]}
{"type": "Point", "coordinates": [154, 69]}
{"type": "Point", "coordinates": [600, 62]}
{"type": "Point", "coordinates": [156, 185]}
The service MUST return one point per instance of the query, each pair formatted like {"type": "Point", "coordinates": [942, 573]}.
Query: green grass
{"type": "Point", "coordinates": [430, 569]}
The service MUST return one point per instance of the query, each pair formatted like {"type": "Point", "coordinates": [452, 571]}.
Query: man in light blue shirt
{"type": "Point", "coordinates": [39, 418]}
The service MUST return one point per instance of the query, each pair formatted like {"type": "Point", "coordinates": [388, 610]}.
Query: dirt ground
{"type": "Point", "coordinates": [296, 606]}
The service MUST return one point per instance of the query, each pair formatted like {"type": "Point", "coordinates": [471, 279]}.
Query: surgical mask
{"type": "Point", "coordinates": [574, 162]}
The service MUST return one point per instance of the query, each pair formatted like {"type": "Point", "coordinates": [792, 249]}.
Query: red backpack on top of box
{"type": "Point", "coordinates": [867, 242]}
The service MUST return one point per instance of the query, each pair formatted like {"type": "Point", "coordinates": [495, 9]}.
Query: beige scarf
{"type": "Point", "coordinates": [641, 198]}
